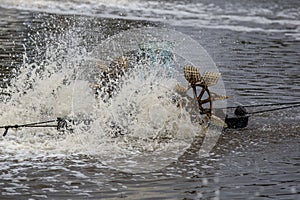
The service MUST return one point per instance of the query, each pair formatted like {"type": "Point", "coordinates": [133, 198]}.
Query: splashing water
{"type": "Point", "coordinates": [140, 129]}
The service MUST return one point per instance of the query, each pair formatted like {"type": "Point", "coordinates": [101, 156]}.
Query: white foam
{"type": "Point", "coordinates": [142, 110]}
{"type": "Point", "coordinates": [45, 95]}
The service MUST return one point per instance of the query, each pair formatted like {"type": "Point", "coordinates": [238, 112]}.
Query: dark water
{"type": "Point", "coordinates": [256, 51]}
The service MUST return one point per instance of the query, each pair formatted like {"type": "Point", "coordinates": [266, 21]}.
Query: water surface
{"type": "Point", "coordinates": [256, 48]}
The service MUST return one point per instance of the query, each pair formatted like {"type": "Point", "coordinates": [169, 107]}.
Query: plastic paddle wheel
{"type": "Point", "coordinates": [202, 96]}
{"type": "Point", "coordinates": [200, 89]}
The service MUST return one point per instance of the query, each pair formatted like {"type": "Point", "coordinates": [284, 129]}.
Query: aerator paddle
{"type": "Point", "coordinates": [201, 94]}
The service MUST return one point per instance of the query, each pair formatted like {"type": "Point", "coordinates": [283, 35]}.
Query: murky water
{"type": "Point", "coordinates": [256, 48]}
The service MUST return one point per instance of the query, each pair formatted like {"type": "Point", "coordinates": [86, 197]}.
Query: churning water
{"type": "Point", "coordinates": [50, 53]}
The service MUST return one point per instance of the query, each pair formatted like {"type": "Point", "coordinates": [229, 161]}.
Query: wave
{"type": "Point", "coordinates": [233, 16]}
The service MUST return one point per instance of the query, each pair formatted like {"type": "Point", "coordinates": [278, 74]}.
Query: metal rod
{"type": "Point", "coordinates": [32, 125]}
{"type": "Point", "coordinates": [28, 125]}
{"type": "Point", "coordinates": [281, 108]}
{"type": "Point", "coordinates": [264, 105]}
{"type": "Point", "coordinates": [42, 126]}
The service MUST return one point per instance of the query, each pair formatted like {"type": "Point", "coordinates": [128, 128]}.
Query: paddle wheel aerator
{"type": "Point", "coordinates": [203, 97]}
